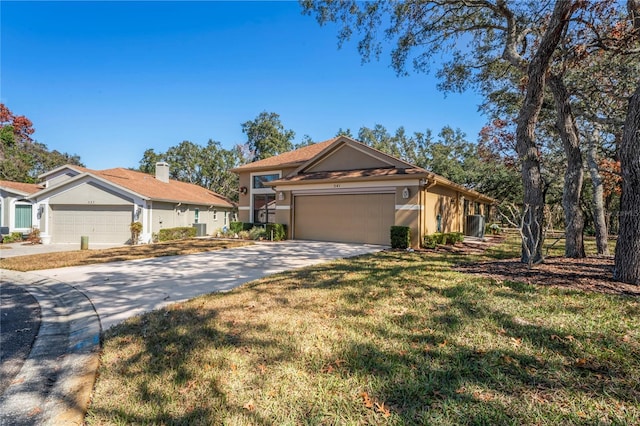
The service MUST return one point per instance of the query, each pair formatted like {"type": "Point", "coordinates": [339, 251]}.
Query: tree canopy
{"type": "Point", "coordinates": [266, 136]}
{"type": "Point", "coordinates": [21, 158]}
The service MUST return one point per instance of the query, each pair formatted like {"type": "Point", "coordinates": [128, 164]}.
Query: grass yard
{"type": "Point", "coordinates": [391, 338]}
{"type": "Point", "coordinates": [87, 257]}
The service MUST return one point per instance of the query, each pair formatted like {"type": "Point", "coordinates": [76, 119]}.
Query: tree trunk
{"type": "Point", "coordinates": [526, 146]}
{"type": "Point", "coordinates": [574, 174]}
{"type": "Point", "coordinates": [599, 217]}
{"type": "Point", "coordinates": [627, 259]}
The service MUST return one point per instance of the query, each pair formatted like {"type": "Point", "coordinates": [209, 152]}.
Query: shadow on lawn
{"type": "Point", "coordinates": [410, 357]}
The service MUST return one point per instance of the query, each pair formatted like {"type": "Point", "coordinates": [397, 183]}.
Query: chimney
{"type": "Point", "coordinates": [162, 172]}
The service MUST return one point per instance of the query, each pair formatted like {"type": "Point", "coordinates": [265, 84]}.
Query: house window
{"type": "Point", "coordinates": [260, 180]}
{"type": "Point", "coordinates": [23, 216]}
{"type": "Point", "coordinates": [215, 215]}
{"type": "Point", "coordinates": [197, 215]}
{"type": "Point", "coordinates": [225, 218]}
{"type": "Point", "coordinates": [264, 208]}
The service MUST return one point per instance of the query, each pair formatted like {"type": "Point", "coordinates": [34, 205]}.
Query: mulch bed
{"type": "Point", "coordinates": [588, 274]}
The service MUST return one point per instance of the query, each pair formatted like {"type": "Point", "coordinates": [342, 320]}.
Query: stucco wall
{"type": "Point", "coordinates": [170, 215]}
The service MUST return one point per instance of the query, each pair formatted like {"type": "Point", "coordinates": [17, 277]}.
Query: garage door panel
{"type": "Point", "coordinates": [102, 224]}
{"type": "Point", "coordinates": [361, 218]}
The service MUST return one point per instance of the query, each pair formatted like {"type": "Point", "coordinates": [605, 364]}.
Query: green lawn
{"type": "Point", "coordinates": [390, 338]}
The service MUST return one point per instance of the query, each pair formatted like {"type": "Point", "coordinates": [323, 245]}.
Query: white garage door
{"type": "Point", "coordinates": [102, 224]}
{"type": "Point", "coordinates": [352, 218]}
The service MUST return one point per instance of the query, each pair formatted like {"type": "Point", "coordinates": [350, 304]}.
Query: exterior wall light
{"type": "Point", "coordinates": [280, 196]}
{"type": "Point", "coordinates": [405, 193]}
{"type": "Point", "coordinates": [243, 190]}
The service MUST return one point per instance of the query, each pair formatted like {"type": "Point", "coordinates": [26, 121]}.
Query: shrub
{"type": "Point", "coordinates": [34, 236]}
{"type": "Point", "coordinates": [257, 233]}
{"type": "Point", "coordinates": [277, 230]}
{"type": "Point", "coordinates": [243, 235]}
{"type": "Point", "coordinates": [235, 227]}
{"type": "Point", "coordinates": [494, 228]}
{"type": "Point", "coordinates": [136, 229]}
{"type": "Point", "coordinates": [455, 237]}
{"type": "Point", "coordinates": [432, 240]}
{"type": "Point", "coordinates": [12, 238]}
{"type": "Point", "coordinates": [400, 237]}
{"type": "Point", "coordinates": [169, 234]}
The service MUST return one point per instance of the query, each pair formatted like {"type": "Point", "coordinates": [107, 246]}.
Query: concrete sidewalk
{"type": "Point", "coordinates": [77, 303]}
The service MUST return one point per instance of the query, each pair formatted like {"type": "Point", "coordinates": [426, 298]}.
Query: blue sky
{"type": "Point", "coordinates": [107, 80]}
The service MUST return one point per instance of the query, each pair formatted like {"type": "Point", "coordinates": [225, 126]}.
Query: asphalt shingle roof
{"type": "Point", "coordinates": [148, 186]}
{"type": "Point", "coordinates": [28, 188]}
{"type": "Point", "coordinates": [297, 156]}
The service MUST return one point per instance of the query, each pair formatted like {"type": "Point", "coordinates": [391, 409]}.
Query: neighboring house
{"type": "Point", "coordinates": [73, 201]}
{"type": "Point", "coordinates": [16, 210]}
{"type": "Point", "coordinates": [342, 190]}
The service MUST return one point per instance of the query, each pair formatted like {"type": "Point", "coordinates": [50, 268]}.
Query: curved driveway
{"type": "Point", "coordinates": [121, 290]}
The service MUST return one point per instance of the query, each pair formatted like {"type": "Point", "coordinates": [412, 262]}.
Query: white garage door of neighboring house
{"type": "Point", "coordinates": [352, 218]}
{"type": "Point", "coordinates": [102, 224]}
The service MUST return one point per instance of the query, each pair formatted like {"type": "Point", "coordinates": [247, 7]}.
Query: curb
{"type": "Point", "coordinates": [55, 383]}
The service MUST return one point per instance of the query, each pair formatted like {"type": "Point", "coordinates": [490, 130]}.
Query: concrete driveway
{"type": "Point", "coordinates": [24, 249]}
{"type": "Point", "coordinates": [121, 290]}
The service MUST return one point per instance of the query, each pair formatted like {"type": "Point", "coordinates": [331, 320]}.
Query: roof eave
{"type": "Point", "coordinates": [400, 176]}
{"type": "Point", "coordinates": [242, 169]}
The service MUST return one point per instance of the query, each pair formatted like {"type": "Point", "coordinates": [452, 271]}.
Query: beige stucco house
{"type": "Point", "coordinates": [73, 201]}
{"type": "Point", "coordinates": [342, 190]}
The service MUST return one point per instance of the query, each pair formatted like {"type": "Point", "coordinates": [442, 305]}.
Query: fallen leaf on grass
{"type": "Point", "coordinates": [380, 408]}
{"type": "Point", "coordinates": [366, 400]}
{"type": "Point", "coordinates": [249, 406]}
{"type": "Point", "coordinates": [516, 341]}
{"type": "Point", "coordinates": [443, 344]}
{"type": "Point", "coordinates": [580, 362]}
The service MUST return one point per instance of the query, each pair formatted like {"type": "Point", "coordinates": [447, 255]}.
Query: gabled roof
{"type": "Point", "coordinates": [19, 187]}
{"type": "Point", "coordinates": [146, 186]}
{"type": "Point", "coordinates": [288, 159]}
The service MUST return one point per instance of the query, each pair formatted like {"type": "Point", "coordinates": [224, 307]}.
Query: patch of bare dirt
{"type": "Point", "coordinates": [588, 274]}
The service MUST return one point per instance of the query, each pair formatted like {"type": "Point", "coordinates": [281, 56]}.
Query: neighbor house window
{"type": "Point", "coordinates": [197, 215]}
{"type": "Point", "coordinates": [215, 215]}
{"type": "Point", "coordinates": [260, 180]}
{"type": "Point", "coordinates": [264, 208]}
{"type": "Point", "coordinates": [225, 218]}
{"type": "Point", "coordinates": [23, 216]}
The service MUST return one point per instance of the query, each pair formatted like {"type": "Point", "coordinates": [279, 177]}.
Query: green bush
{"type": "Point", "coordinates": [12, 238]}
{"type": "Point", "coordinates": [455, 237]}
{"type": "Point", "coordinates": [400, 237]}
{"type": "Point", "coordinates": [235, 227]}
{"type": "Point", "coordinates": [169, 234]}
{"type": "Point", "coordinates": [278, 230]}
{"type": "Point", "coordinates": [432, 240]}
{"type": "Point", "coordinates": [257, 233]}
